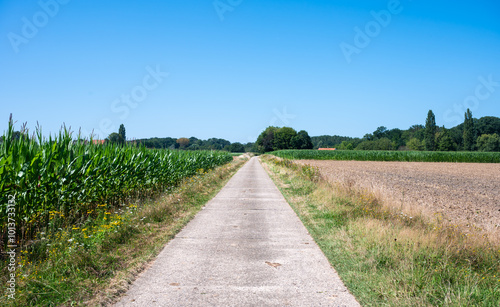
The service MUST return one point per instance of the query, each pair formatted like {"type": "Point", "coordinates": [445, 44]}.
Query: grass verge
{"type": "Point", "coordinates": [384, 257]}
{"type": "Point", "coordinates": [92, 264]}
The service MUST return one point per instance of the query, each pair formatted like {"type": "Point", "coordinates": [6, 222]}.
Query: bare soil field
{"type": "Point", "coordinates": [466, 194]}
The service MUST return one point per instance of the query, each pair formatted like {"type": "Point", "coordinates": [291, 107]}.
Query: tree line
{"type": "Point", "coordinates": [472, 135]}
{"type": "Point", "coordinates": [182, 143]}
{"type": "Point", "coordinates": [194, 143]}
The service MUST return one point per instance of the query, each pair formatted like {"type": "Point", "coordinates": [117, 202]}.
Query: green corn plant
{"type": "Point", "coordinates": [61, 180]}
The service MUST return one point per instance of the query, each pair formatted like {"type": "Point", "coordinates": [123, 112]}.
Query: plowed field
{"type": "Point", "coordinates": [466, 194]}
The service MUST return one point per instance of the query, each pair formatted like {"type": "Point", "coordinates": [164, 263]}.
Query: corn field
{"type": "Point", "coordinates": [404, 156]}
{"type": "Point", "coordinates": [74, 179]}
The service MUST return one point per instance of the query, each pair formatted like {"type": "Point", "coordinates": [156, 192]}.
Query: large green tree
{"type": "Point", "coordinates": [415, 144]}
{"type": "Point", "coordinates": [381, 132]}
{"type": "Point", "coordinates": [488, 142]}
{"type": "Point", "coordinates": [346, 145]}
{"type": "Point", "coordinates": [302, 140]}
{"type": "Point", "coordinates": [430, 132]}
{"type": "Point", "coordinates": [236, 147]}
{"type": "Point", "coordinates": [488, 125]}
{"type": "Point", "coordinates": [274, 138]}
{"type": "Point", "coordinates": [396, 136]}
{"type": "Point", "coordinates": [469, 135]}
{"type": "Point", "coordinates": [283, 138]}
{"type": "Point", "coordinates": [265, 141]}
{"type": "Point", "coordinates": [415, 131]}
{"type": "Point", "coordinates": [444, 141]}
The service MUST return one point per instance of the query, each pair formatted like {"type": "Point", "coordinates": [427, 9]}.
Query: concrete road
{"type": "Point", "coordinates": [245, 248]}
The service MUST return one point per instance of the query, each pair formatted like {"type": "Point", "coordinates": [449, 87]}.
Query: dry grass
{"type": "Point", "coordinates": [388, 257]}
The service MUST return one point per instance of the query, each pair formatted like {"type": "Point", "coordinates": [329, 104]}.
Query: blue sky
{"type": "Point", "coordinates": [230, 68]}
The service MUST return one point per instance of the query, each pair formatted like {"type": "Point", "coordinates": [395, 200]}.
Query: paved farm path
{"type": "Point", "coordinates": [245, 248]}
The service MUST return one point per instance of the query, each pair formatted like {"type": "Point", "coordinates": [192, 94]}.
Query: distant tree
{"type": "Point", "coordinates": [302, 141]}
{"type": "Point", "coordinates": [381, 132]}
{"type": "Point", "coordinates": [415, 131]}
{"type": "Point", "coordinates": [194, 141]}
{"type": "Point", "coordinates": [469, 135]}
{"type": "Point", "coordinates": [444, 141]}
{"type": "Point", "coordinates": [368, 137]}
{"type": "Point", "coordinates": [215, 144]}
{"type": "Point", "coordinates": [457, 135]}
{"type": "Point", "coordinates": [121, 132]}
{"type": "Point", "coordinates": [345, 145]}
{"type": "Point", "coordinates": [415, 144]}
{"type": "Point", "coordinates": [488, 142]}
{"type": "Point", "coordinates": [114, 138]}
{"type": "Point", "coordinates": [365, 145]}
{"type": "Point", "coordinates": [265, 141]}
{"type": "Point", "coordinates": [194, 147]}
{"type": "Point", "coordinates": [183, 142]}
{"type": "Point", "coordinates": [396, 136]}
{"type": "Point", "coordinates": [283, 138]}
{"type": "Point", "coordinates": [380, 144]}
{"type": "Point", "coordinates": [430, 132]}
{"type": "Point", "coordinates": [250, 147]}
{"type": "Point", "coordinates": [488, 125]}
{"type": "Point", "coordinates": [236, 147]}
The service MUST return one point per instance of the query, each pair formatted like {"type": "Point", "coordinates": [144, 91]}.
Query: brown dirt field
{"type": "Point", "coordinates": [466, 194]}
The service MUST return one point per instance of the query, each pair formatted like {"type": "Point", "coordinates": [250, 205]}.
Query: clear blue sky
{"type": "Point", "coordinates": [240, 66]}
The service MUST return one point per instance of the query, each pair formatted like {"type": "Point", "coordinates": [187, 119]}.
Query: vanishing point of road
{"type": "Point", "coordinates": [247, 247]}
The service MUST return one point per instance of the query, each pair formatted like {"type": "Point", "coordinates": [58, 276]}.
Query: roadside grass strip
{"type": "Point", "coordinates": [385, 257]}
